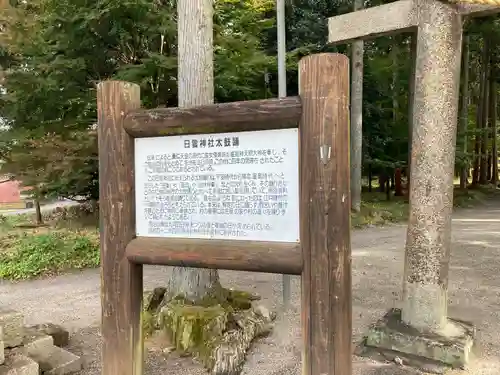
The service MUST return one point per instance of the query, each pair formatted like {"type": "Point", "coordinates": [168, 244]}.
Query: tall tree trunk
{"type": "Point", "coordinates": [38, 212]}
{"type": "Point", "coordinates": [411, 92]}
{"type": "Point", "coordinates": [370, 178]}
{"type": "Point", "coordinates": [195, 88]}
{"type": "Point", "coordinates": [356, 118]}
{"type": "Point", "coordinates": [477, 138]}
{"type": "Point", "coordinates": [490, 162]}
{"type": "Point", "coordinates": [464, 111]}
{"type": "Point", "coordinates": [479, 121]}
{"type": "Point", "coordinates": [493, 125]}
{"type": "Point", "coordinates": [396, 176]}
{"type": "Point", "coordinates": [483, 168]}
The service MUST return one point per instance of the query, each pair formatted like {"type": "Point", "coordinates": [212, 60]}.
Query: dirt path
{"type": "Point", "coordinates": [378, 253]}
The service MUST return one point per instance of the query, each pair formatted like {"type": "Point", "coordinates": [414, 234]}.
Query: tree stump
{"type": "Point", "coordinates": [216, 331]}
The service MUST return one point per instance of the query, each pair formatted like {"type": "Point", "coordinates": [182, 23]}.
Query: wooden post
{"type": "Point", "coordinates": [121, 290]}
{"type": "Point", "coordinates": [325, 214]}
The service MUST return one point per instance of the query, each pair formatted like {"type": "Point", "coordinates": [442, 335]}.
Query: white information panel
{"type": "Point", "coordinates": [235, 186]}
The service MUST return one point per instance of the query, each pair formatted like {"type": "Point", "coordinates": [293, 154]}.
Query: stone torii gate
{"type": "Point", "coordinates": [422, 327]}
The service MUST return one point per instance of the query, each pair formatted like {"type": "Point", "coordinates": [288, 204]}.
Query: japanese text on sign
{"type": "Point", "coordinates": [226, 186]}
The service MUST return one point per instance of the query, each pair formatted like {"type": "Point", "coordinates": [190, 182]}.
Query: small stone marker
{"type": "Point", "coordinates": [12, 322]}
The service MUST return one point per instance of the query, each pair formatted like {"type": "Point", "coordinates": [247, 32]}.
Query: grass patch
{"type": "Point", "coordinates": [376, 210]}
{"type": "Point", "coordinates": [26, 255]}
{"type": "Point", "coordinates": [60, 245]}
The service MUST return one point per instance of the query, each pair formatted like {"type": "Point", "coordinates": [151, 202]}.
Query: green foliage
{"type": "Point", "coordinates": [53, 53]}
{"type": "Point", "coordinates": [27, 255]}
{"type": "Point", "coordinates": [377, 210]}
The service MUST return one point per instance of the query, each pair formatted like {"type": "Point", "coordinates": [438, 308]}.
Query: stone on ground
{"type": "Point", "coordinates": [34, 349]}
{"type": "Point", "coordinates": [36, 343]}
{"type": "Point", "coordinates": [434, 352]}
{"type": "Point", "coordinates": [52, 359]}
{"type": "Point", "coordinates": [57, 361]}
{"type": "Point", "coordinates": [59, 334]}
{"type": "Point", "coordinates": [13, 329]}
{"type": "Point", "coordinates": [18, 364]}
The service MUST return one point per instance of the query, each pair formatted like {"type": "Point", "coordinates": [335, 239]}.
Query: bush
{"type": "Point", "coordinates": [28, 255]}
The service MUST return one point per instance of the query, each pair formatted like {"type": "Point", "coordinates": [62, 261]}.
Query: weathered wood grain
{"type": "Point", "coordinates": [254, 256]}
{"type": "Point", "coordinates": [325, 214]}
{"type": "Point", "coordinates": [220, 118]}
{"type": "Point", "coordinates": [121, 280]}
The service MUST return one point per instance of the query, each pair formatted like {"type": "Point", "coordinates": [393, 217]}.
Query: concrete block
{"type": "Point", "coordinates": [13, 330]}
{"type": "Point", "coordinates": [2, 348]}
{"type": "Point", "coordinates": [58, 361]}
{"type": "Point", "coordinates": [18, 364]}
{"type": "Point", "coordinates": [451, 347]}
{"type": "Point", "coordinates": [36, 343]}
{"type": "Point", "coordinates": [58, 333]}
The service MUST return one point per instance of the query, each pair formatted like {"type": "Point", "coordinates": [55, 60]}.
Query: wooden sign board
{"type": "Point", "coordinates": [232, 186]}
{"type": "Point", "coordinates": [229, 200]}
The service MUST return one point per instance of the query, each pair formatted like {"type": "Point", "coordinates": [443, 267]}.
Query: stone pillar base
{"type": "Point", "coordinates": [436, 352]}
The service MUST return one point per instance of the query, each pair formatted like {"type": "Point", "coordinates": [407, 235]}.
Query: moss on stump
{"type": "Point", "coordinates": [217, 331]}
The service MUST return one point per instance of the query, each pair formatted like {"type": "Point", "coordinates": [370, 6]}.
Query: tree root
{"type": "Point", "coordinates": [217, 332]}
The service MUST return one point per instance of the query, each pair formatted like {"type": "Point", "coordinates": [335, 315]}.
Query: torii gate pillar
{"type": "Point", "coordinates": [422, 329]}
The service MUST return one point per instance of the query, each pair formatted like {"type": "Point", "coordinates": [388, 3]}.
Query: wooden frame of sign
{"type": "Point", "coordinates": [321, 255]}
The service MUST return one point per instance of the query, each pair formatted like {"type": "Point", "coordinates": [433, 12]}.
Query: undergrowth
{"type": "Point", "coordinates": [29, 251]}
{"type": "Point", "coordinates": [377, 210]}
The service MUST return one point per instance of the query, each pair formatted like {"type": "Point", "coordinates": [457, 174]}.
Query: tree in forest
{"type": "Point", "coordinates": [195, 88]}
{"type": "Point", "coordinates": [53, 59]}
{"type": "Point", "coordinates": [356, 118]}
{"type": "Point", "coordinates": [464, 116]}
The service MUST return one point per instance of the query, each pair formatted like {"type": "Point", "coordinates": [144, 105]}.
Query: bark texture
{"type": "Point", "coordinates": [464, 115]}
{"type": "Point", "coordinates": [356, 118]}
{"type": "Point", "coordinates": [38, 213]}
{"type": "Point", "coordinates": [439, 42]}
{"type": "Point", "coordinates": [411, 101]}
{"type": "Point", "coordinates": [494, 131]}
{"type": "Point", "coordinates": [483, 164]}
{"type": "Point", "coordinates": [195, 88]}
{"type": "Point", "coordinates": [493, 125]}
{"type": "Point", "coordinates": [195, 52]}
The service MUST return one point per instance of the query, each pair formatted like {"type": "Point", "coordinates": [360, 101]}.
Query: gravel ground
{"type": "Point", "coordinates": [378, 253]}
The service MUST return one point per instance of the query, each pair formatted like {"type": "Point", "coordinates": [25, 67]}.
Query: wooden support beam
{"type": "Point", "coordinates": [253, 256]}
{"type": "Point", "coordinates": [121, 280]}
{"type": "Point", "coordinates": [325, 215]}
{"type": "Point", "coordinates": [391, 18]}
{"type": "Point", "coordinates": [220, 118]}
